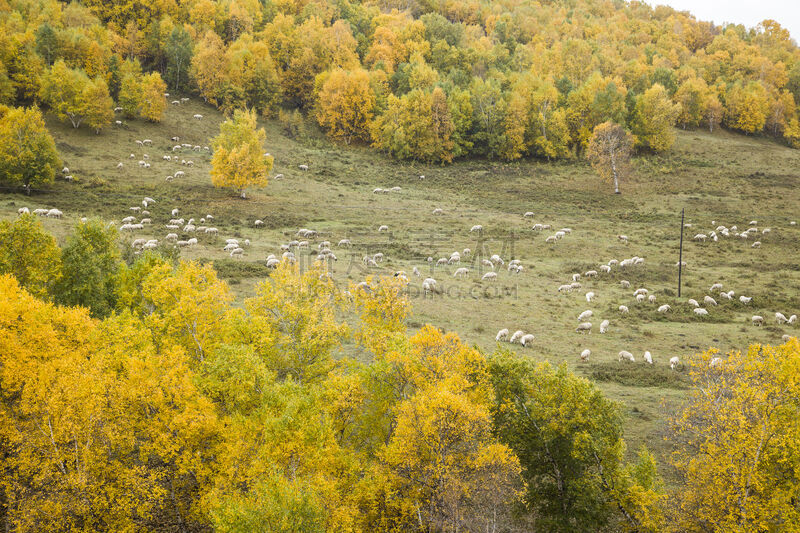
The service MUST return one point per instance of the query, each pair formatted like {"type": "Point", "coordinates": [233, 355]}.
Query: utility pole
{"type": "Point", "coordinates": [680, 255]}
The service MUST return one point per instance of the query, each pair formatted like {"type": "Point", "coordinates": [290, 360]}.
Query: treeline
{"type": "Point", "coordinates": [423, 80]}
{"type": "Point", "coordinates": [145, 400]}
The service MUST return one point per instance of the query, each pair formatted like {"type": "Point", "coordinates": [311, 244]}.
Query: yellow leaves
{"type": "Point", "coordinates": [28, 252]}
{"type": "Point", "coordinates": [239, 160]}
{"type": "Point", "coordinates": [609, 152]}
{"type": "Point", "coordinates": [654, 118]}
{"type": "Point", "coordinates": [740, 440]}
{"type": "Point", "coordinates": [383, 308]}
{"type": "Point", "coordinates": [345, 104]}
{"type": "Point", "coordinates": [154, 103]}
{"type": "Point", "coordinates": [746, 107]}
{"type": "Point", "coordinates": [293, 321]}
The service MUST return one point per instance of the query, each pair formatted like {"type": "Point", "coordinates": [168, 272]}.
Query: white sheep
{"type": "Point", "coordinates": [709, 300]}
{"type": "Point", "coordinates": [652, 298]}
{"type": "Point", "coordinates": [623, 309]}
{"type": "Point", "coordinates": [429, 285]}
{"type": "Point", "coordinates": [584, 327]}
{"type": "Point", "coordinates": [674, 362]}
{"type": "Point", "coordinates": [466, 252]}
{"type": "Point", "coordinates": [605, 268]}
{"type": "Point", "coordinates": [551, 239]}
{"type": "Point", "coordinates": [489, 276]}
{"type": "Point", "coordinates": [625, 284]}
{"type": "Point", "coordinates": [590, 296]}
{"type": "Point", "coordinates": [526, 339]}
{"type": "Point", "coordinates": [693, 302]}
{"type": "Point", "coordinates": [648, 357]}
{"type": "Point", "coordinates": [792, 319]}
{"type": "Point", "coordinates": [302, 167]}
{"type": "Point", "coordinates": [591, 273]}
{"type": "Point", "coordinates": [604, 326]}
{"type": "Point", "coordinates": [416, 272]}
{"type": "Point", "coordinates": [23, 211]}
{"type": "Point", "coordinates": [501, 335]}
{"type": "Point", "coordinates": [438, 211]}
{"type": "Point", "coordinates": [54, 213]}
{"type": "Point", "coordinates": [757, 320]}
{"type": "Point", "coordinates": [780, 318]}
{"type": "Point", "coordinates": [583, 316]}
{"type": "Point", "coordinates": [383, 228]}
{"type": "Point", "coordinates": [745, 299]}
{"type": "Point", "coordinates": [640, 298]}
{"type": "Point", "coordinates": [528, 214]}
{"type": "Point", "coordinates": [700, 311]}
{"type": "Point", "coordinates": [664, 308]}
{"type": "Point", "coordinates": [585, 355]}
{"type": "Point", "coordinates": [626, 356]}
{"type": "Point", "coordinates": [476, 227]}
{"type": "Point", "coordinates": [516, 336]}
{"type": "Point", "coordinates": [461, 272]}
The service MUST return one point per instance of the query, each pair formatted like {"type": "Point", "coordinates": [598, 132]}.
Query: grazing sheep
{"type": "Point", "coordinates": [709, 300]}
{"type": "Point", "coordinates": [625, 284]}
{"type": "Point", "coordinates": [756, 244]}
{"type": "Point", "coordinates": [623, 309]}
{"type": "Point", "coordinates": [623, 238]}
{"type": "Point", "coordinates": [626, 356]}
{"type": "Point", "coordinates": [461, 272]}
{"type": "Point", "coordinates": [591, 273]}
{"type": "Point", "coordinates": [604, 326]}
{"type": "Point", "coordinates": [501, 335]}
{"type": "Point", "coordinates": [700, 311]}
{"type": "Point", "coordinates": [589, 296]}
{"type": "Point", "coordinates": [526, 339]}
{"type": "Point", "coordinates": [726, 296]}
{"type": "Point", "coordinates": [565, 288]}
{"type": "Point", "coordinates": [640, 298]}
{"type": "Point", "coordinates": [54, 213]}
{"type": "Point", "coordinates": [197, 116]}
{"type": "Point", "coordinates": [693, 302]}
{"type": "Point", "coordinates": [780, 318]}
{"type": "Point", "coordinates": [429, 285]}
{"type": "Point", "coordinates": [745, 299]}
{"type": "Point", "coordinates": [585, 355]}
{"type": "Point", "coordinates": [674, 362]}
{"type": "Point", "coordinates": [664, 308]}
{"type": "Point", "coordinates": [383, 228]}
{"type": "Point", "coordinates": [377, 190]}
{"type": "Point", "coordinates": [302, 167]}
{"type": "Point", "coordinates": [489, 276]}
{"type": "Point", "coordinates": [583, 316]}
{"type": "Point", "coordinates": [584, 327]}
{"type": "Point", "coordinates": [648, 357]}
{"type": "Point", "coordinates": [605, 268]}
{"type": "Point", "coordinates": [23, 211]}
{"type": "Point", "coordinates": [551, 239]}
{"type": "Point", "coordinates": [792, 319]}
{"type": "Point", "coordinates": [516, 336]}
{"type": "Point", "coordinates": [476, 227]}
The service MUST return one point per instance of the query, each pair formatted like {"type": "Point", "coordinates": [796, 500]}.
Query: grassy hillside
{"type": "Point", "coordinates": [720, 179]}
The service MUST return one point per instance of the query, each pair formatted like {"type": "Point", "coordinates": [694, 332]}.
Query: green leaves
{"type": "Point", "coordinates": [28, 155]}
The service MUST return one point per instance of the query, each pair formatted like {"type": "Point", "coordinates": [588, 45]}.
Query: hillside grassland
{"type": "Point", "coordinates": [718, 178]}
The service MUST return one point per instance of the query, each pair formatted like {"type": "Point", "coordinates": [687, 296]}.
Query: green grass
{"type": "Point", "coordinates": [725, 178]}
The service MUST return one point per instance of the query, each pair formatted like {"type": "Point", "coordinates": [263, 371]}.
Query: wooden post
{"type": "Point", "coordinates": [680, 255]}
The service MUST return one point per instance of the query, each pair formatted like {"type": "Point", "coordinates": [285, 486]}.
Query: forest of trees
{"type": "Point", "coordinates": [134, 395]}
{"type": "Point", "coordinates": [418, 79]}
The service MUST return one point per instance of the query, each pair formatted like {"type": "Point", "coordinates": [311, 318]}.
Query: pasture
{"type": "Point", "coordinates": [720, 179]}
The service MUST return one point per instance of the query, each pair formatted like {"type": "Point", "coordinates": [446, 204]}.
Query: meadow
{"type": "Point", "coordinates": [719, 179]}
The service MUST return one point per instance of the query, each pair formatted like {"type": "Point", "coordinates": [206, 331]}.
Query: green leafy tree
{"type": "Point", "coordinates": [239, 160]}
{"type": "Point", "coordinates": [28, 155]}
{"type": "Point", "coordinates": [568, 438]}
{"type": "Point", "coordinates": [30, 254]}
{"type": "Point", "coordinates": [178, 50]}
{"type": "Point", "coordinates": [91, 260]}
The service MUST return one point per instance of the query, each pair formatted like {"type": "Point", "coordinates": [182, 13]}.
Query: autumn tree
{"type": "Point", "coordinates": [28, 155]}
{"type": "Point", "coordinates": [98, 107]}
{"type": "Point", "coordinates": [609, 152]}
{"type": "Point", "coordinates": [738, 441]}
{"type": "Point", "coordinates": [239, 160]}
{"type": "Point", "coordinates": [90, 260]}
{"type": "Point", "coordinates": [63, 92]}
{"type": "Point", "coordinates": [654, 119]}
{"type": "Point", "coordinates": [208, 67]}
{"type": "Point", "coordinates": [345, 104]}
{"type": "Point", "coordinates": [153, 102]}
{"type": "Point", "coordinates": [746, 107]}
{"type": "Point", "coordinates": [30, 254]}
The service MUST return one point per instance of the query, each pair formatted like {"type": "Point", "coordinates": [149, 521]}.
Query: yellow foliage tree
{"type": "Point", "coordinates": [739, 441]}
{"type": "Point", "coordinates": [746, 107]}
{"type": "Point", "coordinates": [98, 107]}
{"type": "Point", "coordinates": [239, 159]}
{"type": "Point", "coordinates": [654, 119]}
{"type": "Point", "coordinates": [154, 103]}
{"type": "Point", "coordinates": [345, 103]}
